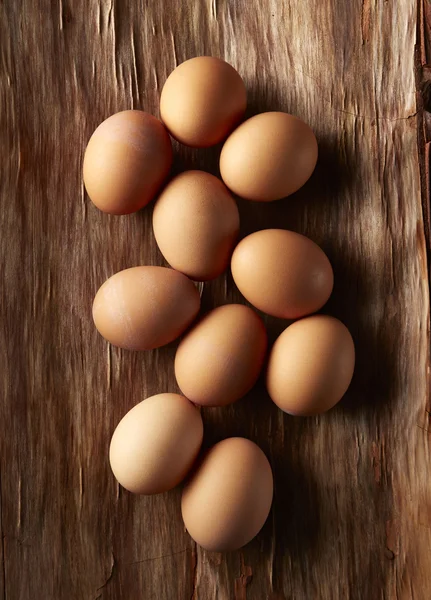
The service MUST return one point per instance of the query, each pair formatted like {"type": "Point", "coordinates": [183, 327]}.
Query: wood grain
{"type": "Point", "coordinates": [352, 511]}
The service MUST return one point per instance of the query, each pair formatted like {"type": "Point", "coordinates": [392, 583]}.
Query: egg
{"type": "Point", "coordinates": [196, 223]}
{"type": "Point", "coordinates": [311, 365]}
{"type": "Point", "coordinates": [155, 444]}
{"type": "Point", "coordinates": [145, 307]}
{"type": "Point", "coordinates": [268, 157]}
{"type": "Point", "coordinates": [228, 498]}
{"type": "Point", "coordinates": [126, 161]}
{"type": "Point", "coordinates": [202, 101]}
{"type": "Point", "coordinates": [220, 359]}
{"type": "Point", "coordinates": [282, 273]}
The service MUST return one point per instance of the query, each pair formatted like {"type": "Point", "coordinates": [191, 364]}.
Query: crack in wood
{"type": "Point", "coordinates": [110, 576]}
{"type": "Point", "coordinates": [424, 428]}
{"type": "Point", "coordinates": [358, 114]}
{"type": "Point", "coordinates": [423, 89]}
{"type": "Point", "coordinates": [3, 549]}
{"type": "Point", "coordinates": [151, 558]}
{"type": "Point", "coordinates": [194, 571]}
{"type": "Point", "coordinates": [245, 577]}
{"type": "Point", "coordinates": [365, 19]}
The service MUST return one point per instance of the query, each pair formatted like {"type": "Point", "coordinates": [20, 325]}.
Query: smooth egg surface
{"type": "Point", "coordinates": [311, 365]}
{"type": "Point", "coordinates": [220, 359]}
{"type": "Point", "coordinates": [145, 307]}
{"type": "Point", "coordinates": [268, 157]}
{"type": "Point", "coordinates": [202, 101]}
{"type": "Point", "coordinates": [155, 444]}
{"type": "Point", "coordinates": [196, 223]}
{"type": "Point", "coordinates": [126, 161]}
{"type": "Point", "coordinates": [282, 273]}
{"type": "Point", "coordinates": [228, 498]}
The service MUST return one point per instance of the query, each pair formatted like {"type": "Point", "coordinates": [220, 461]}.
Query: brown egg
{"type": "Point", "coordinates": [220, 359]}
{"type": "Point", "coordinates": [202, 101]}
{"type": "Point", "coordinates": [196, 223]}
{"type": "Point", "coordinates": [228, 498]}
{"type": "Point", "coordinates": [268, 157]}
{"type": "Point", "coordinates": [145, 307]}
{"type": "Point", "coordinates": [126, 161]}
{"type": "Point", "coordinates": [282, 273]}
{"type": "Point", "coordinates": [156, 443]}
{"type": "Point", "coordinates": [311, 365]}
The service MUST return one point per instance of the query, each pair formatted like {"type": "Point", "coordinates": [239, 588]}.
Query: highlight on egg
{"type": "Point", "coordinates": [196, 223]}
{"type": "Point", "coordinates": [268, 157]}
{"type": "Point", "coordinates": [311, 365]}
{"type": "Point", "coordinates": [220, 358]}
{"type": "Point", "coordinates": [145, 307]}
{"type": "Point", "coordinates": [228, 497]}
{"type": "Point", "coordinates": [156, 443]}
{"type": "Point", "coordinates": [202, 100]}
{"type": "Point", "coordinates": [126, 162]}
{"type": "Point", "coordinates": [282, 273]}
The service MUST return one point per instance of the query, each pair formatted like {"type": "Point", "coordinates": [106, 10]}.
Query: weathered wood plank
{"type": "Point", "coordinates": [352, 511]}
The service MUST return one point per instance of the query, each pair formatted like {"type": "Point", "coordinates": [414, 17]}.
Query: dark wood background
{"type": "Point", "coordinates": [352, 511]}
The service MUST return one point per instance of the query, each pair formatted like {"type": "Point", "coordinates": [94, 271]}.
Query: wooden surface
{"type": "Point", "coordinates": [352, 511]}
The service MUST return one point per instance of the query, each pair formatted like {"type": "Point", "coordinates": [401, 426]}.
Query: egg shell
{"type": "Point", "coordinates": [202, 101]}
{"type": "Point", "coordinates": [282, 273]}
{"type": "Point", "coordinates": [155, 444]}
{"type": "Point", "coordinates": [196, 223]}
{"type": "Point", "coordinates": [268, 157]}
{"type": "Point", "coordinates": [126, 161]}
{"type": "Point", "coordinates": [145, 307]}
{"type": "Point", "coordinates": [311, 365]}
{"type": "Point", "coordinates": [220, 359]}
{"type": "Point", "coordinates": [228, 498]}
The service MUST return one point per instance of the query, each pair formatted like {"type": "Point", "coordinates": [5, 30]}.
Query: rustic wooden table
{"type": "Point", "coordinates": [352, 511]}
